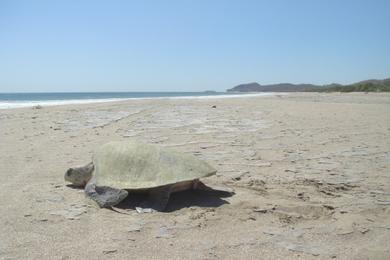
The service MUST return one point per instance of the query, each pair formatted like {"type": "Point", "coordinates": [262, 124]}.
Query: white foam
{"type": "Point", "coordinates": [21, 104]}
{"type": "Point", "coordinates": [218, 96]}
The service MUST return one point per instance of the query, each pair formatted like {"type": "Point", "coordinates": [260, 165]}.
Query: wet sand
{"type": "Point", "coordinates": [311, 174]}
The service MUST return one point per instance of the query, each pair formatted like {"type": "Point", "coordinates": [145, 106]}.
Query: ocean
{"type": "Point", "coordinates": [17, 100]}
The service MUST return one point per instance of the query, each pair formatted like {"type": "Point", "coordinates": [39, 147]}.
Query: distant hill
{"type": "Point", "coordinates": [281, 87]}
{"type": "Point", "coordinates": [363, 86]}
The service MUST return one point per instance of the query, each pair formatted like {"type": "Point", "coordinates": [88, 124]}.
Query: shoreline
{"type": "Point", "coordinates": [31, 103]}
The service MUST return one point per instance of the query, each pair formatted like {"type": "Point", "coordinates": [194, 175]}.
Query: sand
{"type": "Point", "coordinates": [311, 174]}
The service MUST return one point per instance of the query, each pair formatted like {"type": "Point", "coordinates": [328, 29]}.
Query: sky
{"type": "Point", "coordinates": [81, 46]}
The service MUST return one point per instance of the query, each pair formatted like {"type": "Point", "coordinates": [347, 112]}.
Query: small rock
{"type": "Point", "coordinates": [329, 207]}
{"type": "Point", "coordinates": [291, 170]}
{"type": "Point", "coordinates": [261, 210]}
{"type": "Point", "coordinates": [363, 230]}
{"type": "Point", "coordinates": [303, 196]}
{"type": "Point", "coordinates": [144, 210]}
{"type": "Point", "coordinates": [106, 252]}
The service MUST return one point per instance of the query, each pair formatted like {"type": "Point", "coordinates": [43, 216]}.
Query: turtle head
{"type": "Point", "coordinates": [79, 176]}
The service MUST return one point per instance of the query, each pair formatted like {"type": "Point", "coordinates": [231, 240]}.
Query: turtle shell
{"type": "Point", "coordinates": [132, 165]}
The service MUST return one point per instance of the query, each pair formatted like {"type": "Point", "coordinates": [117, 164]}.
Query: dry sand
{"type": "Point", "coordinates": [311, 174]}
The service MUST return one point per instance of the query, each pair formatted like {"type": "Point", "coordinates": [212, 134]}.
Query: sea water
{"type": "Point", "coordinates": [17, 100]}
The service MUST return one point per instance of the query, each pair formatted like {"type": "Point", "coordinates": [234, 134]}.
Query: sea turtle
{"type": "Point", "coordinates": [118, 168]}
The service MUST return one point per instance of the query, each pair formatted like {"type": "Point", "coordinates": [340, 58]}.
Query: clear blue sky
{"type": "Point", "coordinates": [189, 45]}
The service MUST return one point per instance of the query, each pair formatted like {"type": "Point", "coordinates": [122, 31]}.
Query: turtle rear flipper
{"type": "Point", "coordinates": [158, 198]}
{"type": "Point", "coordinates": [222, 190]}
{"type": "Point", "coordinates": [104, 196]}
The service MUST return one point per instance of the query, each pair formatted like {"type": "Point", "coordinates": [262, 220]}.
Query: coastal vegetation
{"type": "Point", "coordinates": [362, 86]}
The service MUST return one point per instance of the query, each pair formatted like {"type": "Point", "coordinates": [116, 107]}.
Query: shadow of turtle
{"type": "Point", "coordinates": [197, 198]}
{"type": "Point", "coordinates": [180, 200]}
{"type": "Point", "coordinates": [75, 187]}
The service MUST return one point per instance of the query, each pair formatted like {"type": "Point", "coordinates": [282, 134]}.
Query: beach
{"type": "Point", "coordinates": [311, 174]}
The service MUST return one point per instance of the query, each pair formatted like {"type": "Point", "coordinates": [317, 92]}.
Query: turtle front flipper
{"type": "Point", "coordinates": [158, 198]}
{"type": "Point", "coordinates": [104, 196]}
